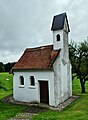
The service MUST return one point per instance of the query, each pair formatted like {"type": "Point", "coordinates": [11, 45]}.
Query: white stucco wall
{"type": "Point", "coordinates": [32, 94]}
{"type": "Point", "coordinates": [62, 80]}
{"type": "Point", "coordinates": [62, 67]}
{"type": "Point", "coordinates": [57, 80]}
{"type": "Point", "coordinates": [57, 44]}
{"type": "Point", "coordinates": [65, 83]}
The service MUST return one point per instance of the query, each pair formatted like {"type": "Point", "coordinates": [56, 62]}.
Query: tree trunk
{"type": "Point", "coordinates": [82, 86]}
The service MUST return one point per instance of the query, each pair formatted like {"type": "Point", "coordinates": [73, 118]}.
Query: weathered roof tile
{"type": "Point", "coordinates": [37, 58]}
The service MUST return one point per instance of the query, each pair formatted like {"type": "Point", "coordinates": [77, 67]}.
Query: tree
{"type": "Point", "coordinates": [2, 69]}
{"type": "Point", "coordinates": [8, 66]}
{"type": "Point", "coordinates": [79, 60]}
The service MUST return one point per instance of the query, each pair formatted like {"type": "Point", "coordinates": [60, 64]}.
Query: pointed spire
{"type": "Point", "coordinates": [58, 22]}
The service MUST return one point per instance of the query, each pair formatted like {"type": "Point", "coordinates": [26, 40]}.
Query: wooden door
{"type": "Point", "coordinates": [44, 92]}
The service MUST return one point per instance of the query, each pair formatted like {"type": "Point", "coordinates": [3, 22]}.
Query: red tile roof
{"type": "Point", "coordinates": [37, 58]}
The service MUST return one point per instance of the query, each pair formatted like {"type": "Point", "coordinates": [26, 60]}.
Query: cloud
{"type": "Point", "coordinates": [25, 23]}
{"type": "Point", "coordinates": [79, 18]}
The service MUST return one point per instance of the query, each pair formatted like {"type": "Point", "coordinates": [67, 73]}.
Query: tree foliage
{"type": "Point", "coordinates": [6, 67]}
{"type": "Point", "coordinates": [2, 69]}
{"type": "Point", "coordinates": [79, 60]}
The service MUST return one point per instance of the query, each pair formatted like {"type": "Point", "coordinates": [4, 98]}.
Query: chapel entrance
{"type": "Point", "coordinates": [44, 92]}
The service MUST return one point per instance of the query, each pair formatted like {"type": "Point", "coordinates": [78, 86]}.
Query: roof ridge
{"type": "Point", "coordinates": [38, 48]}
{"type": "Point", "coordinates": [64, 13]}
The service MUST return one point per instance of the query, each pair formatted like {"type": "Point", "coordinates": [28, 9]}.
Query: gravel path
{"type": "Point", "coordinates": [34, 109]}
{"type": "Point", "coordinates": [22, 116]}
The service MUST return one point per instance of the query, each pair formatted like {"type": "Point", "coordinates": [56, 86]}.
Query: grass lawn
{"type": "Point", "coordinates": [6, 80]}
{"type": "Point", "coordinates": [78, 110]}
{"type": "Point", "coordinates": [8, 110]}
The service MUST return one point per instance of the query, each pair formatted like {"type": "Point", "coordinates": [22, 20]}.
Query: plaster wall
{"type": "Point", "coordinates": [29, 93]}
{"type": "Point", "coordinates": [62, 80]}
{"type": "Point", "coordinates": [57, 80]}
{"type": "Point", "coordinates": [62, 67]}
{"type": "Point", "coordinates": [57, 44]}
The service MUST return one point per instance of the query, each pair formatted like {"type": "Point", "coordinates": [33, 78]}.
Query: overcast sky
{"type": "Point", "coordinates": [27, 23]}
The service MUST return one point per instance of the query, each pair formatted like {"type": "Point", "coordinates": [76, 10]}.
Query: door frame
{"type": "Point", "coordinates": [47, 90]}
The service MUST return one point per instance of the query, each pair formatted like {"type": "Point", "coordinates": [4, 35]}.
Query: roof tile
{"type": "Point", "coordinates": [37, 58]}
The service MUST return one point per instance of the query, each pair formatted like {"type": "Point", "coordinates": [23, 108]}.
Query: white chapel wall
{"type": "Point", "coordinates": [32, 94]}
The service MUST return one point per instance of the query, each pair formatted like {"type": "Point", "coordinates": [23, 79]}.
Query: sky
{"type": "Point", "coordinates": [27, 23]}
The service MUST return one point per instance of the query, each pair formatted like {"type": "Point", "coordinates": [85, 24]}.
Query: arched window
{"type": "Point", "coordinates": [21, 80]}
{"type": "Point", "coordinates": [32, 81]}
{"type": "Point", "coordinates": [58, 37]}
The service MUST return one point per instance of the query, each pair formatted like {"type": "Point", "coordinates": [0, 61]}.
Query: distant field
{"type": "Point", "coordinates": [78, 110]}
{"type": "Point", "coordinates": [6, 80]}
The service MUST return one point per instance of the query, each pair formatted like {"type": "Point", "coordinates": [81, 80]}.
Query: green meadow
{"type": "Point", "coordinates": [77, 110]}
{"type": "Point", "coordinates": [6, 81]}
{"type": "Point", "coordinates": [7, 110]}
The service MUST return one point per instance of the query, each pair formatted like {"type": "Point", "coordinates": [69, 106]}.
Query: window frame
{"type": "Point", "coordinates": [21, 81]}
{"type": "Point", "coordinates": [58, 37]}
{"type": "Point", "coordinates": [32, 81]}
